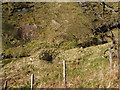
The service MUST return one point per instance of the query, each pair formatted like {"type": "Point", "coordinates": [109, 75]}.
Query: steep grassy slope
{"type": "Point", "coordinates": [54, 20]}
{"type": "Point", "coordinates": [58, 24]}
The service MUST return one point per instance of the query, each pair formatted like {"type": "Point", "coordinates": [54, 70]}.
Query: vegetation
{"type": "Point", "coordinates": [85, 68]}
{"type": "Point", "coordinates": [38, 36]}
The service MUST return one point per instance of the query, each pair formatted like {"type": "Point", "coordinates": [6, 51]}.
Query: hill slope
{"type": "Point", "coordinates": [85, 69]}
{"type": "Point", "coordinates": [39, 36]}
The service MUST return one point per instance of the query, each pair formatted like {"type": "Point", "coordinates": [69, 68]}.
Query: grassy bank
{"type": "Point", "coordinates": [87, 69]}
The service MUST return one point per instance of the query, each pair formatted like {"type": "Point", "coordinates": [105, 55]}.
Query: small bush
{"type": "Point", "coordinates": [46, 56]}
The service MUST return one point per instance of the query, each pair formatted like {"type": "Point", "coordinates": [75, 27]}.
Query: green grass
{"type": "Point", "coordinates": [90, 71]}
{"type": "Point", "coordinates": [6, 61]}
{"type": "Point", "coordinates": [59, 22]}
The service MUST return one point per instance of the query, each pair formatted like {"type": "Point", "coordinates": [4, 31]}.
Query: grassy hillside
{"type": "Point", "coordinates": [37, 37]}
{"type": "Point", "coordinates": [57, 23]}
{"type": "Point", "coordinates": [86, 68]}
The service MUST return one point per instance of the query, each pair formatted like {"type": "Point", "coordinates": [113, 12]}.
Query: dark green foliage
{"type": "Point", "coordinates": [46, 56]}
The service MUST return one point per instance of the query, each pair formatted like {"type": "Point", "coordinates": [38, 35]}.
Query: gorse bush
{"type": "Point", "coordinates": [46, 56]}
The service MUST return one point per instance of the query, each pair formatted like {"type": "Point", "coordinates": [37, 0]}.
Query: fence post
{"type": "Point", "coordinates": [5, 85]}
{"type": "Point", "coordinates": [110, 59]}
{"type": "Point", "coordinates": [64, 73]}
{"type": "Point", "coordinates": [32, 81]}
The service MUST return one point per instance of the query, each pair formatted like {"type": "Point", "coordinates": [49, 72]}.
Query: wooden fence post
{"type": "Point", "coordinates": [32, 81]}
{"type": "Point", "coordinates": [110, 59]}
{"type": "Point", "coordinates": [5, 85]}
{"type": "Point", "coordinates": [64, 73]}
